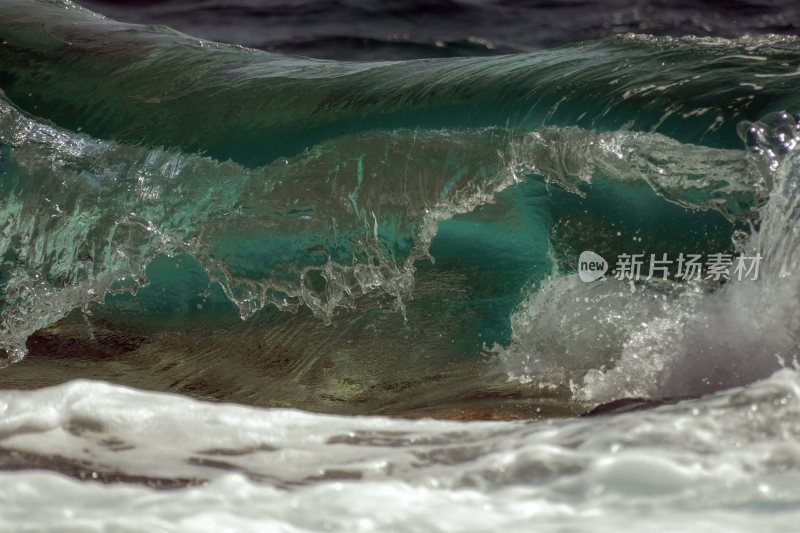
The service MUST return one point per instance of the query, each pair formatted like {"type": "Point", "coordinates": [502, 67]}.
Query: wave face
{"type": "Point", "coordinates": [197, 213]}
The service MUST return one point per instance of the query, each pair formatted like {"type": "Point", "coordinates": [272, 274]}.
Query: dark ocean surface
{"type": "Point", "coordinates": [391, 29]}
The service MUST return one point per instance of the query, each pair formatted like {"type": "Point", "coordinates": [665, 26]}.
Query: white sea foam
{"type": "Point", "coordinates": [727, 462]}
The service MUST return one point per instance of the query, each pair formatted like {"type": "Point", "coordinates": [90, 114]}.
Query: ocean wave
{"type": "Point", "coordinates": [145, 85]}
{"type": "Point", "coordinates": [329, 187]}
{"type": "Point", "coordinates": [426, 242]}
{"type": "Point", "coordinates": [321, 229]}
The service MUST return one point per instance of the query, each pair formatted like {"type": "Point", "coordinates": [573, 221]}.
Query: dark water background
{"type": "Point", "coordinates": [402, 29]}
